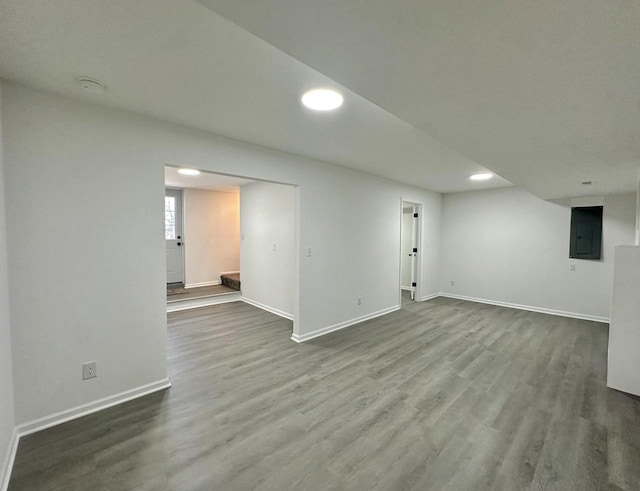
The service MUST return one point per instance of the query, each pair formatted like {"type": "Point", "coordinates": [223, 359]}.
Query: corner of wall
{"type": "Point", "coordinates": [8, 432]}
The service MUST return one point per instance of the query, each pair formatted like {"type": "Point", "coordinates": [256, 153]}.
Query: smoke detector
{"type": "Point", "coordinates": [91, 85]}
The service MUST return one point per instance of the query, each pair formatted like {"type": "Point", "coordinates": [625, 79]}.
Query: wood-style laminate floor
{"type": "Point", "coordinates": [443, 394]}
{"type": "Point", "coordinates": [199, 292]}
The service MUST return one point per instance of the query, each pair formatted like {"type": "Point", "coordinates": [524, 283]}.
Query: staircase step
{"type": "Point", "coordinates": [232, 280]}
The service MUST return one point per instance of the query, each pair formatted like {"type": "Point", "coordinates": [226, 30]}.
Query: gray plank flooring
{"type": "Point", "coordinates": [443, 394]}
{"type": "Point", "coordinates": [199, 292]}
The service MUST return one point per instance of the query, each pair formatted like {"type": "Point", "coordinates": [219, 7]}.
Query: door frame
{"type": "Point", "coordinates": [184, 269]}
{"type": "Point", "coordinates": [419, 207]}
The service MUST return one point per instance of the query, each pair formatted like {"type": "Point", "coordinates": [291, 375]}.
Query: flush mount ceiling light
{"type": "Point", "coordinates": [322, 99]}
{"type": "Point", "coordinates": [481, 177]}
{"type": "Point", "coordinates": [91, 85]}
{"type": "Point", "coordinates": [189, 172]}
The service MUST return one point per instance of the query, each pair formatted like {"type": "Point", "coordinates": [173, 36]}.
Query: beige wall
{"type": "Point", "coordinates": [212, 235]}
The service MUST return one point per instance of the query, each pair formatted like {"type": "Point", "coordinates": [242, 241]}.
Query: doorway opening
{"type": "Point", "coordinates": [231, 238]}
{"type": "Point", "coordinates": [410, 250]}
{"type": "Point", "coordinates": [202, 236]}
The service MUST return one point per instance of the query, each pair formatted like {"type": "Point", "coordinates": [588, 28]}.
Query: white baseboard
{"type": "Point", "coordinates": [273, 310]}
{"type": "Point", "coordinates": [542, 310]}
{"type": "Point", "coordinates": [10, 458]}
{"type": "Point", "coordinates": [92, 407]}
{"type": "Point", "coordinates": [203, 283]}
{"type": "Point", "coordinates": [406, 288]}
{"type": "Point", "coordinates": [196, 303]}
{"type": "Point", "coordinates": [429, 297]}
{"type": "Point", "coordinates": [230, 272]}
{"type": "Point", "coordinates": [336, 327]}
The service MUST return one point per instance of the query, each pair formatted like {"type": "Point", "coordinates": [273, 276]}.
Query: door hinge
{"type": "Point", "coordinates": [415, 215]}
{"type": "Point", "coordinates": [414, 284]}
{"type": "Point", "coordinates": [415, 249]}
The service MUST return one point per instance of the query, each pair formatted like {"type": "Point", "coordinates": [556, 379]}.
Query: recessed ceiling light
{"type": "Point", "coordinates": [322, 99]}
{"type": "Point", "coordinates": [481, 177]}
{"type": "Point", "coordinates": [189, 172]}
{"type": "Point", "coordinates": [91, 85]}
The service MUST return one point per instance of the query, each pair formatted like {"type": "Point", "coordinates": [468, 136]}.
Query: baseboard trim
{"type": "Point", "coordinates": [196, 303]}
{"type": "Point", "coordinates": [203, 283]}
{"type": "Point", "coordinates": [542, 310]}
{"type": "Point", "coordinates": [10, 458]}
{"type": "Point", "coordinates": [229, 272]}
{"type": "Point", "coordinates": [92, 407]}
{"type": "Point", "coordinates": [430, 297]}
{"type": "Point", "coordinates": [406, 288]}
{"type": "Point", "coordinates": [336, 327]}
{"type": "Point", "coordinates": [262, 306]}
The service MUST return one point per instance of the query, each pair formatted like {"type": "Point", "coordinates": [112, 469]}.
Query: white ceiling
{"type": "Point", "coordinates": [204, 180]}
{"type": "Point", "coordinates": [546, 93]}
{"type": "Point", "coordinates": [179, 61]}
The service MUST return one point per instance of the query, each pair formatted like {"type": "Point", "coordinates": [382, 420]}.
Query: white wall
{"type": "Point", "coordinates": [86, 272]}
{"type": "Point", "coordinates": [509, 246]}
{"type": "Point", "coordinates": [267, 218]}
{"type": "Point", "coordinates": [85, 193]}
{"type": "Point", "coordinates": [211, 234]}
{"type": "Point", "coordinates": [407, 242]}
{"type": "Point", "coordinates": [7, 420]}
{"type": "Point", "coordinates": [624, 333]}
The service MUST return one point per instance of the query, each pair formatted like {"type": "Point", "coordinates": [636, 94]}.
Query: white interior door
{"type": "Point", "coordinates": [406, 247]}
{"type": "Point", "coordinates": [173, 235]}
{"type": "Point", "coordinates": [414, 252]}
{"type": "Point", "coordinates": [409, 247]}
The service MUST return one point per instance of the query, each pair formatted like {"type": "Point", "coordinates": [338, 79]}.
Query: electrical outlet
{"type": "Point", "coordinates": [89, 370]}
{"type": "Point", "coordinates": [308, 251]}
{"type": "Point", "coordinates": [359, 301]}
{"type": "Point", "coordinates": [572, 267]}
{"type": "Point", "coordinates": [274, 246]}
{"type": "Point", "coordinates": [453, 283]}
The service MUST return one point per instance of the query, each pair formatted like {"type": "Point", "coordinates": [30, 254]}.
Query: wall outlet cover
{"type": "Point", "coordinates": [89, 370]}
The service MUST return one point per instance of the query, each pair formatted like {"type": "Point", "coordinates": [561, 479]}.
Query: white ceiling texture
{"type": "Point", "coordinates": [546, 94]}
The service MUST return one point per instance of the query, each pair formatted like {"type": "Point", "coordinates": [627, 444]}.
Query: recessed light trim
{"type": "Point", "coordinates": [188, 172]}
{"type": "Point", "coordinates": [481, 177]}
{"type": "Point", "coordinates": [322, 99]}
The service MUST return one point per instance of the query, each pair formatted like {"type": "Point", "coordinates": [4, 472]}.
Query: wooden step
{"type": "Point", "coordinates": [232, 280]}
